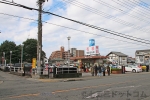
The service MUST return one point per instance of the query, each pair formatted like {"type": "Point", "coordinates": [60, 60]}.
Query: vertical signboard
{"type": "Point", "coordinates": [33, 63]}
{"type": "Point", "coordinates": [97, 50]}
{"type": "Point", "coordinates": [87, 51]}
{"type": "Point", "coordinates": [92, 50]}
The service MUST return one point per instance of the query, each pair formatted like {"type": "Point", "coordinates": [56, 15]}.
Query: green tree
{"type": "Point", "coordinates": [6, 47]}
{"type": "Point", "coordinates": [16, 55]}
{"type": "Point", "coordinates": [30, 50]}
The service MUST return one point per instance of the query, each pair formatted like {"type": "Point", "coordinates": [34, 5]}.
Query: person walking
{"type": "Point", "coordinates": [99, 70]}
{"type": "Point", "coordinates": [108, 70]}
{"type": "Point", "coordinates": [103, 69]}
{"type": "Point", "coordinates": [84, 68]}
{"type": "Point", "coordinates": [92, 70]}
{"type": "Point", "coordinates": [95, 68]}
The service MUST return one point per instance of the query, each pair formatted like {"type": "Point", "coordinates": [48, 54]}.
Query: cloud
{"type": "Point", "coordinates": [18, 30]}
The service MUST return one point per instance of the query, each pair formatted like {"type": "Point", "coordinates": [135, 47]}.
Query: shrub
{"type": "Point", "coordinates": [115, 69]}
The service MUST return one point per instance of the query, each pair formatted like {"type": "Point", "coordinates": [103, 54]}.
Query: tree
{"type": "Point", "coordinates": [16, 55]}
{"type": "Point", "coordinates": [30, 50]}
{"type": "Point", "coordinates": [6, 47]}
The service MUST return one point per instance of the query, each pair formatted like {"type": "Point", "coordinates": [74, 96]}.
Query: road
{"type": "Point", "coordinates": [133, 86]}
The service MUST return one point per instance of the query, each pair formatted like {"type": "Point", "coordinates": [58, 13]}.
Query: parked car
{"type": "Point", "coordinates": [115, 66]}
{"type": "Point", "coordinates": [132, 68]}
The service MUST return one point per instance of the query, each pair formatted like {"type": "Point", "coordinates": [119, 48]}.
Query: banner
{"type": "Point", "coordinates": [92, 50]}
{"type": "Point", "coordinates": [33, 63]}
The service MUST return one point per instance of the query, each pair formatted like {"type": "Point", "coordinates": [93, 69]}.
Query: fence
{"type": "Point", "coordinates": [64, 70]}
{"type": "Point", "coordinates": [57, 72]}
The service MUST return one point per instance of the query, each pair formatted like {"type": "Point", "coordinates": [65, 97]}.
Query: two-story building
{"type": "Point", "coordinates": [117, 58]}
{"type": "Point", "coordinates": [142, 56]}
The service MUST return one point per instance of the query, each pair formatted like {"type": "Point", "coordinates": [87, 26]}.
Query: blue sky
{"type": "Point", "coordinates": [18, 30]}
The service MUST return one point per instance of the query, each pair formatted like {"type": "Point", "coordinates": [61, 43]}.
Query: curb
{"type": "Point", "coordinates": [79, 79]}
{"type": "Point", "coordinates": [67, 80]}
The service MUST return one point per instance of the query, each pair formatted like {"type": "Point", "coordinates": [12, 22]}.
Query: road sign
{"type": "Point", "coordinates": [33, 62]}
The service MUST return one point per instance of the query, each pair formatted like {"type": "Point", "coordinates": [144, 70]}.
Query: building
{"type": "Point", "coordinates": [61, 56]}
{"type": "Point", "coordinates": [130, 60]}
{"type": "Point", "coordinates": [142, 56]}
{"type": "Point", "coordinates": [88, 61]}
{"type": "Point", "coordinates": [117, 58]}
{"type": "Point", "coordinates": [76, 53]}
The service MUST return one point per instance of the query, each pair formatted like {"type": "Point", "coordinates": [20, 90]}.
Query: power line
{"type": "Point", "coordinates": [103, 14]}
{"type": "Point", "coordinates": [54, 6]}
{"type": "Point", "coordinates": [137, 2]}
{"type": "Point", "coordinates": [144, 3]}
{"type": "Point", "coordinates": [120, 10]}
{"type": "Point", "coordinates": [129, 6]}
{"type": "Point", "coordinates": [70, 28]}
{"type": "Point", "coordinates": [115, 19]}
{"type": "Point", "coordinates": [88, 25]}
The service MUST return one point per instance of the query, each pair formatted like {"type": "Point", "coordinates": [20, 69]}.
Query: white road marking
{"type": "Point", "coordinates": [94, 95]}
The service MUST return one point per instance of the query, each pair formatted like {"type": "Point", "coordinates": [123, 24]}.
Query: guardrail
{"type": "Point", "coordinates": [15, 69]}
{"type": "Point", "coordinates": [43, 72]}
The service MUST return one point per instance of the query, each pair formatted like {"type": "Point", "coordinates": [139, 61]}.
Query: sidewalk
{"type": "Point", "coordinates": [85, 76]}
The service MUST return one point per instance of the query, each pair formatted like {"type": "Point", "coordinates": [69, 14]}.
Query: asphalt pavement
{"type": "Point", "coordinates": [129, 86]}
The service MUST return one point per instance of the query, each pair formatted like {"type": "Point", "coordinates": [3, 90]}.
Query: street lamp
{"type": "Point", "coordinates": [21, 54]}
{"type": "Point", "coordinates": [68, 50]}
{"type": "Point", "coordinates": [10, 57]}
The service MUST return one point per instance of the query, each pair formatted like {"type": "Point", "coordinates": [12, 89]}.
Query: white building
{"type": "Point", "coordinates": [142, 56]}
{"type": "Point", "coordinates": [117, 58]}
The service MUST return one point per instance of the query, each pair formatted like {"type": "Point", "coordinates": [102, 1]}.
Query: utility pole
{"type": "Point", "coordinates": [39, 42]}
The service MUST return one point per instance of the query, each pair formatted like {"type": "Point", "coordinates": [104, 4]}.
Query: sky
{"type": "Point", "coordinates": [129, 17]}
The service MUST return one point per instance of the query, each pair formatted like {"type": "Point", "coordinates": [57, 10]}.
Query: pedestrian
{"type": "Point", "coordinates": [84, 68]}
{"type": "Point", "coordinates": [99, 70]}
{"type": "Point", "coordinates": [108, 70]}
{"type": "Point", "coordinates": [95, 68]}
{"type": "Point", "coordinates": [103, 69]}
{"type": "Point", "coordinates": [92, 70]}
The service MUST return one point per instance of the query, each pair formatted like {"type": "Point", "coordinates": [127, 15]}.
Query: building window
{"type": "Point", "coordinates": [146, 56]}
